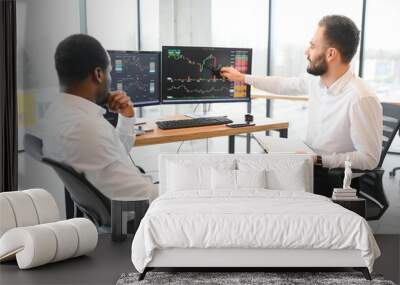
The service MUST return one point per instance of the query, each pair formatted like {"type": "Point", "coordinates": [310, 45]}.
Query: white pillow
{"type": "Point", "coordinates": [183, 177]}
{"type": "Point", "coordinates": [223, 179]}
{"type": "Point", "coordinates": [291, 179]}
{"type": "Point", "coordinates": [226, 179]}
{"type": "Point", "coordinates": [251, 178]}
{"type": "Point", "coordinates": [193, 173]}
{"type": "Point", "coordinates": [281, 173]}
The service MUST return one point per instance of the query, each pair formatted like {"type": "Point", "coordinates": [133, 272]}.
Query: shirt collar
{"type": "Point", "coordinates": [83, 104]}
{"type": "Point", "coordinates": [338, 85]}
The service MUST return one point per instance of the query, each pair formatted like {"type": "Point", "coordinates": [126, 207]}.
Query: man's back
{"type": "Point", "coordinates": [76, 133]}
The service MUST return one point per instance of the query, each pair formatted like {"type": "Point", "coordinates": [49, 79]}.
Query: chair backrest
{"type": "Point", "coordinates": [89, 199]}
{"type": "Point", "coordinates": [391, 125]}
{"type": "Point", "coordinates": [33, 146]}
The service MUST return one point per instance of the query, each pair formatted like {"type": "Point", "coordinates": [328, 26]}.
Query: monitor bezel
{"type": "Point", "coordinates": [158, 54]}
{"type": "Point", "coordinates": [205, 101]}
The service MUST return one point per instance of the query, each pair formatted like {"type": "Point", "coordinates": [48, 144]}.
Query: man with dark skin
{"type": "Point", "coordinates": [75, 131]}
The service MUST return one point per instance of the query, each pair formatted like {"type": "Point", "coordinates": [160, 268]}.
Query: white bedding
{"type": "Point", "coordinates": [252, 218]}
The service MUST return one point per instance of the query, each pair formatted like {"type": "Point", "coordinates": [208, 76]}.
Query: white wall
{"type": "Point", "coordinates": [113, 23]}
{"type": "Point", "coordinates": [150, 24]}
{"type": "Point", "coordinates": [41, 25]}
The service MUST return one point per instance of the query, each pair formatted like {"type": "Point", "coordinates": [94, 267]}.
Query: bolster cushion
{"type": "Point", "coordinates": [40, 244]}
{"type": "Point", "coordinates": [26, 208]}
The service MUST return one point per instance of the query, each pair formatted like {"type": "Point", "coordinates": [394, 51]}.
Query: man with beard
{"type": "Point", "coordinates": [344, 115]}
{"type": "Point", "coordinates": [75, 131]}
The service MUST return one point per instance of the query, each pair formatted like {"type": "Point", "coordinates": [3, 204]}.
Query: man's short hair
{"type": "Point", "coordinates": [77, 56]}
{"type": "Point", "coordinates": [341, 33]}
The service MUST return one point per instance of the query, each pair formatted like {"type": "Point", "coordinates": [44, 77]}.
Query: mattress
{"type": "Point", "coordinates": [250, 219]}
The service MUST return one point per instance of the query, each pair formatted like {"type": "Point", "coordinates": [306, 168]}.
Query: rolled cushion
{"type": "Point", "coordinates": [7, 218]}
{"type": "Point", "coordinates": [26, 208]}
{"type": "Point", "coordinates": [40, 244]}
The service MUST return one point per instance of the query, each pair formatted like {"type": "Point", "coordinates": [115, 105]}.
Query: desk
{"type": "Point", "coordinates": [159, 136]}
{"type": "Point", "coordinates": [270, 96]}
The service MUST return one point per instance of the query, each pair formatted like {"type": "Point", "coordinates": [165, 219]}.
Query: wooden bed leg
{"type": "Point", "coordinates": [364, 271]}
{"type": "Point", "coordinates": [143, 274]}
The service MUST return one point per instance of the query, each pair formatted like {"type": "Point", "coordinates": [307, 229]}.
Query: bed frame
{"type": "Point", "coordinates": [241, 259]}
{"type": "Point", "coordinates": [246, 258]}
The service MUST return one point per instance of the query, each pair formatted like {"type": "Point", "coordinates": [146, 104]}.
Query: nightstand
{"type": "Point", "coordinates": [356, 205]}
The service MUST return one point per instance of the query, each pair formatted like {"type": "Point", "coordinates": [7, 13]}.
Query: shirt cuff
{"type": "Point", "coordinates": [126, 124]}
{"type": "Point", "coordinates": [248, 79]}
{"type": "Point", "coordinates": [325, 161]}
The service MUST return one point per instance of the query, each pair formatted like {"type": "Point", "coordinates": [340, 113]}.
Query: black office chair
{"type": "Point", "coordinates": [370, 185]}
{"type": "Point", "coordinates": [395, 169]}
{"type": "Point", "coordinates": [85, 196]}
{"type": "Point", "coordinates": [88, 200]}
{"type": "Point", "coordinates": [33, 146]}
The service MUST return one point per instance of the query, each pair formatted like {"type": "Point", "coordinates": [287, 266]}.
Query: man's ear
{"type": "Point", "coordinates": [98, 75]}
{"type": "Point", "coordinates": [331, 54]}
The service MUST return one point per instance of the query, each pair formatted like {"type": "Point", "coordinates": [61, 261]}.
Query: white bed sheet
{"type": "Point", "coordinates": [252, 218]}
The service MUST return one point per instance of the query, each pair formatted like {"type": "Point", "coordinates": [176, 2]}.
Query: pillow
{"type": "Point", "coordinates": [187, 177]}
{"type": "Point", "coordinates": [223, 179]}
{"type": "Point", "coordinates": [226, 179]}
{"type": "Point", "coordinates": [251, 179]}
{"type": "Point", "coordinates": [288, 178]}
{"type": "Point", "coordinates": [281, 173]}
{"type": "Point", "coordinates": [194, 173]}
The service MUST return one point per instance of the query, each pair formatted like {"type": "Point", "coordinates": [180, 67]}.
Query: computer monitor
{"type": "Point", "coordinates": [191, 74]}
{"type": "Point", "coordinates": [138, 74]}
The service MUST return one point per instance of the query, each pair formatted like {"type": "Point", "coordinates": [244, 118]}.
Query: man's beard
{"type": "Point", "coordinates": [318, 66]}
{"type": "Point", "coordinates": [102, 97]}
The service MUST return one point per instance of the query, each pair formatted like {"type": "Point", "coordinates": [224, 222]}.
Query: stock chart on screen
{"type": "Point", "coordinates": [138, 74]}
{"type": "Point", "coordinates": [191, 74]}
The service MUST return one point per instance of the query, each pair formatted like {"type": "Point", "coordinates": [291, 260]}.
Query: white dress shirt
{"type": "Point", "coordinates": [76, 133]}
{"type": "Point", "coordinates": [344, 120]}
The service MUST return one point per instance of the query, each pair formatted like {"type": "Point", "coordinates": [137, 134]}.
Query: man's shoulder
{"type": "Point", "coordinates": [361, 91]}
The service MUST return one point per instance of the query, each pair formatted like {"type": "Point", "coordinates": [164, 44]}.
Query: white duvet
{"type": "Point", "coordinates": [250, 219]}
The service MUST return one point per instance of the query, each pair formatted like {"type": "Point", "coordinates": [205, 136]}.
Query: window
{"type": "Point", "coordinates": [293, 24]}
{"type": "Point", "coordinates": [381, 67]}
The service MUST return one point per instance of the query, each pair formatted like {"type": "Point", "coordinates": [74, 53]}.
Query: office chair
{"type": "Point", "coordinates": [85, 196]}
{"type": "Point", "coordinates": [33, 146]}
{"type": "Point", "coordinates": [87, 199]}
{"type": "Point", "coordinates": [370, 185]}
{"type": "Point", "coordinates": [394, 170]}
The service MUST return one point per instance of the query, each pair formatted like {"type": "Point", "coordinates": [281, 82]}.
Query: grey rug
{"type": "Point", "coordinates": [243, 278]}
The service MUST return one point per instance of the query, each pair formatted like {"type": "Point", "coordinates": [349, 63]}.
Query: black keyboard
{"type": "Point", "coordinates": [196, 122]}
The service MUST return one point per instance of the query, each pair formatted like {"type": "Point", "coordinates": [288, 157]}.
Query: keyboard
{"type": "Point", "coordinates": [196, 122]}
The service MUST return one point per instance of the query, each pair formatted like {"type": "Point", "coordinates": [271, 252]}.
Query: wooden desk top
{"type": "Point", "coordinates": [158, 136]}
{"type": "Point", "coordinates": [264, 95]}
{"type": "Point", "coordinates": [279, 97]}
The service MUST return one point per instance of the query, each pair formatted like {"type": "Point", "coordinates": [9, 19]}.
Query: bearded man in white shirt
{"type": "Point", "coordinates": [75, 131]}
{"type": "Point", "coordinates": [344, 114]}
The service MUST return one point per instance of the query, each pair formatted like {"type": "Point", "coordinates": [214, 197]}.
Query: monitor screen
{"type": "Point", "coordinates": [190, 74]}
{"type": "Point", "coordinates": [138, 74]}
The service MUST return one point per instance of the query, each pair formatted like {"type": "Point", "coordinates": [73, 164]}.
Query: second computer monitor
{"type": "Point", "coordinates": [138, 74]}
{"type": "Point", "coordinates": [191, 74]}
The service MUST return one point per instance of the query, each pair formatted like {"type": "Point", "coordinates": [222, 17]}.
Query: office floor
{"type": "Point", "coordinates": [110, 260]}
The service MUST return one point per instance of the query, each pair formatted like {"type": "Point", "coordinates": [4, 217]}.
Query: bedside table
{"type": "Point", "coordinates": [355, 205]}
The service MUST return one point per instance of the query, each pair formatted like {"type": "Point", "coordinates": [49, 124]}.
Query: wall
{"type": "Point", "coordinates": [113, 23]}
{"type": "Point", "coordinates": [41, 25]}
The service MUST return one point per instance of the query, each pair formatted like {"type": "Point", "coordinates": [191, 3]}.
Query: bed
{"type": "Point", "coordinates": [247, 211]}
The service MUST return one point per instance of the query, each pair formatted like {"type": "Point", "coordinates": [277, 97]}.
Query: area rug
{"type": "Point", "coordinates": [244, 278]}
